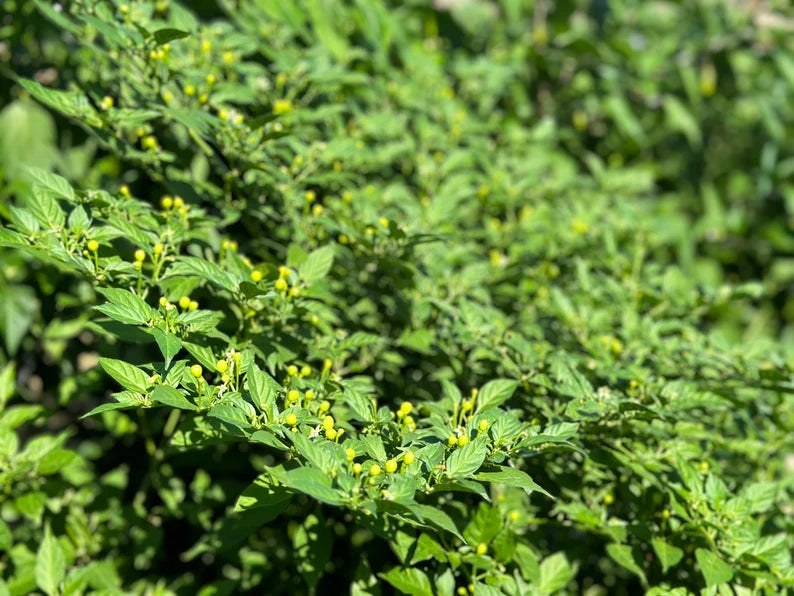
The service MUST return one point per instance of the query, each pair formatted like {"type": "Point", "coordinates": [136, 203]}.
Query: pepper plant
{"type": "Point", "coordinates": [318, 298]}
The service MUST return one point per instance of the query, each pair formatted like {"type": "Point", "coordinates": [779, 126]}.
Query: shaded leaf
{"type": "Point", "coordinates": [668, 554]}
{"type": "Point", "coordinates": [411, 581]}
{"type": "Point", "coordinates": [164, 36]}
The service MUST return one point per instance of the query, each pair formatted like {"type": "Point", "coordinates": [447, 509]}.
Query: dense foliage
{"type": "Point", "coordinates": [465, 297]}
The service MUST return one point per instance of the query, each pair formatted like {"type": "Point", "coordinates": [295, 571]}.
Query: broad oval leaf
{"type": "Point", "coordinates": [317, 264]}
{"type": "Point", "coordinates": [495, 393]}
{"type": "Point", "coordinates": [50, 566]}
{"type": "Point", "coordinates": [128, 376]}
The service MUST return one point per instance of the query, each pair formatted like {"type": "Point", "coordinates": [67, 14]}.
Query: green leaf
{"type": "Point", "coordinates": [262, 493]}
{"type": "Point", "coordinates": [324, 27]}
{"type": "Point", "coordinates": [773, 550]}
{"type": "Point", "coordinates": [197, 121]}
{"type": "Point", "coordinates": [556, 433]}
{"type": "Point", "coordinates": [464, 462]}
{"type": "Point", "coordinates": [11, 239]}
{"type": "Point", "coordinates": [316, 452]}
{"type": "Point", "coordinates": [438, 518]}
{"type": "Point", "coordinates": [78, 221]}
{"type": "Point", "coordinates": [359, 339]}
{"type": "Point", "coordinates": [681, 119]}
{"type": "Point", "coordinates": [164, 36]}
{"type": "Point", "coordinates": [312, 482]}
{"type": "Point", "coordinates": [361, 408]}
{"type": "Point", "coordinates": [426, 548]}
{"type": "Point", "coordinates": [375, 447]}
{"type": "Point", "coordinates": [201, 320]}
{"type": "Point", "coordinates": [464, 486]}
{"type": "Point", "coordinates": [27, 137]}
{"type": "Point", "coordinates": [203, 354]}
{"type": "Point", "coordinates": [527, 563]}
{"type": "Point", "coordinates": [512, 477]}
{"type": "Point", "coordinates": [568, 380]}
{"type": "Point", "coordinates": [57, 17]}
{"type": "Point", "coordinates": [263, 389]}
{"type": "Point", "coordinates": [317, 264]}
{"type": "Point", "coordinates": [715, 570]}
{"type": "Point", "coordinates": [485, 525]}
{"type": "Point", "coordinates": [623, 556]}
{"type": "Point", "coordinates": [165, 394]}
{"type": "Point", "coordinates": [50, 563]}
{"type": "Point", "coordinates": [6, 539]}
{"type": "Point", "coordinates": [760, 496]}
{"type": "Point", "coordinates": [133, 233]}
{"type": "Point", "coordinates": [18, 304]}
{"type": "Point", "coordinates": [411, 581]}
{"type": "Point", "coordinates": [445, 582]}
{"type": "Point", "coordinates": [419, 340]}
{"type": "Point", "coordinates": [19, 414]}
{"type": "Point", "coordinates": [110, 407]}
{"type": "Point", "coordinates": [481, 589]}
{"type": "Point", "coordinates": [619, 110]}
{"type": "Point", "coordinates": [31, 505]}
{"type": "Point", "coordinates": [168, 343]}
{"type": "Point", "coordinates": [124, 306]}
{"type": "Point", "coordinates": [113, 33]}
{"type": "Point", "coordinates": [128, 376]}
{"type": "Point", "coordinates": [7, 383]}
{"type": "Point", "coordinates": [668, 554]}
{"type": "Point", "coordinates": [234, 529]}
{"type": "Point", "coordinates": [231, 414]}
{"type": "Point", "coordinates": [312, 548]}
{"type": "Point", "coordinates": [55, 461]}
{"type": "Point", "coordinates": [100, 575]}
{"type": "Point", "coordinates": [268, 438]}
{"type": "Point", "coordinates": [71, 103]}
{"type": "Point", "coordinates": [495, 393]}
{"type": "Point", "coordinates": [55, 185]}
{"type": "Point", "coordinates": [45, 208]}
{"type": "Point", "coordinates": [195, 267]}
{"type": "Point", "coordinates": [555, 573]}
{"type": "Point", "coordinates": [9, 442]}
{"type": "Point", "coordinates": [23, 220]}
{"type": "Point", "coordinates": [40, 446]}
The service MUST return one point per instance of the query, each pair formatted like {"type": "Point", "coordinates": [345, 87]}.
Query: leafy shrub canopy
{"type": "Point", "coordinates": [351, 295]}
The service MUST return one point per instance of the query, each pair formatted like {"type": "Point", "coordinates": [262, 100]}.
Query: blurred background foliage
{"type": "Point", "coordinates": [607, 111]}
{"type": "Point", "coordinates": [695, 95]}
